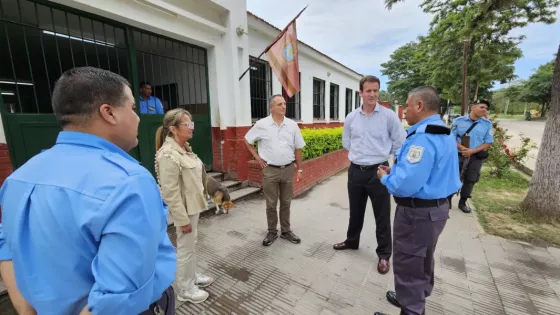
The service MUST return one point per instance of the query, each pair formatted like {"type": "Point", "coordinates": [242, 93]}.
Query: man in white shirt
{"type": "Point", "coordinates": [279, 144]}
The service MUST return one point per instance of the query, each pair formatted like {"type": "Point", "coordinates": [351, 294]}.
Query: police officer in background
{"type": "Point", "coordinates": [480, 133]}
{"type": "Point", "coordinates": [425, 173]}
{"type": "Point", "coordinates": [84, 221]}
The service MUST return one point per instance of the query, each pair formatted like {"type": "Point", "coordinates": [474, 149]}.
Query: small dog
{"type": "Point", "coordinates": [219, 194]}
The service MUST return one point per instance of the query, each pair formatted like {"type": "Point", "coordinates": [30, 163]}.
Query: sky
{"type": "Point", "coordinates": [362, 34]}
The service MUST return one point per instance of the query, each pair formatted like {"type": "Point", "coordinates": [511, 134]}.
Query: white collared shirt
{"type": "Point", "coordinates": [276, 143]}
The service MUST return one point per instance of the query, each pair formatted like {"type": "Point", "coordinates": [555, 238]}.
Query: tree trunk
{"type": "Point", "coordinates": [476, 90]}
{"type": "Point", "coordinates": [543, 198]}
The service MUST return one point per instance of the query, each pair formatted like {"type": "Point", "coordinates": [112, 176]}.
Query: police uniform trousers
{"type": "Point", "coordinates": [164, 306]}
{"type": "Point", "coordinates": [363, 183]}
{"type": "Point", "coordinates": [417, 226]}
{"type": "Point", "coordinates": [471, 176]}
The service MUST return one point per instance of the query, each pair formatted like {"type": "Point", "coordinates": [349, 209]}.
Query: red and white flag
{"type": "Point", "coordinates": [283, 59]}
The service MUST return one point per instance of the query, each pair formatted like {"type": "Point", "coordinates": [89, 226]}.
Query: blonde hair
{"type": "Point", "coordinates": [171, 119]}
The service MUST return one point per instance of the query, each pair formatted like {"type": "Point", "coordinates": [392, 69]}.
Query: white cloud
{"type": "Point", "coordinates": [362, 34]}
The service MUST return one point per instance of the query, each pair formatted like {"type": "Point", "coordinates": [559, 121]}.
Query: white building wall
{"type": "Point", "coordinates": [311, 65]}
{"type": "Point", "coordinates": [210, 24]}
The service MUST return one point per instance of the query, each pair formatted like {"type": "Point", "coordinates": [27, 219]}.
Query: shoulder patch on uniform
{"type": "Point", "coordinates": [414, 154]}
{"type": "Point", "coordinates": [453, 127]}
{"type": "Point", "coordinates": [437, 130]}
{"type": "Point", "coordinates": [491, 132]}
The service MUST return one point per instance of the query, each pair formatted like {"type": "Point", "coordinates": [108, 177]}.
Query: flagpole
{"type": "Point", "coordinates": [274, 42]}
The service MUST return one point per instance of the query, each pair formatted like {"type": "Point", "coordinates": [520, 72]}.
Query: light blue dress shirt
{"type": "Point", "coordinates": [151, 106]}
{"type": "Point", "coordinates": [4, 250]}
{"type": "Point", "coordinates": [482, 133]}
{"type": "Point", "coordinates": [427, 165]}
{"type": "Point", "coordinates": [371, 139]}
{"type": "Point", "coordinates": [85, 224]}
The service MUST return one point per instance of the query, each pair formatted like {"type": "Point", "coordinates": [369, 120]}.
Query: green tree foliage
{"type": "Point", "coordinates": [538, 87]}
{"type": "Point", "coordinates": [492, 52]}
{"type": "Point", "coordinates": [403, 71]}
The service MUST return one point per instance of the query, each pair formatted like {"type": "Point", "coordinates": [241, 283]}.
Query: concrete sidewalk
{"type": "Point", "coordinates": [475, 273]}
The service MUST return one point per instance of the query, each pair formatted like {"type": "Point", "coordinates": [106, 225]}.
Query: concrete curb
{"type": "Point", "coordinates": [479, 227]}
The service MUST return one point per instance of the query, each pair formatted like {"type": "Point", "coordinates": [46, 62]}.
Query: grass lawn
{"type": "Point", "coordinates": [518, 117]}
{"type": "Point", "coordinates": [496, 201]}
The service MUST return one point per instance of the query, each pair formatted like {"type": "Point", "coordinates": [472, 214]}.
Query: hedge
{"type": "Point", "coordinates": [320, 141]}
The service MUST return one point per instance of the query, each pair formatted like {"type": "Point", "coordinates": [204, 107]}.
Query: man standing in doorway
{"type": "Point", "coordinates": [149, 104]}
{"type": "Point", "coordinates": [480, 132]}
{"type": "Point", "coordinates": [279, 145]}
{"type": "Point", "coordinates": [371, 133]}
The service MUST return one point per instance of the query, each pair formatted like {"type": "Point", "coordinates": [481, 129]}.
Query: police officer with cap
{"type": "Point", "coordinates": [426, 171]}
{"type": "Point", "coordinates": [480, 134]}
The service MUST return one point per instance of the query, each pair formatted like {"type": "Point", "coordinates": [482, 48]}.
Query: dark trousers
{"type": "Point", "coordinates": [361, 185]}
{"type": "Point", "coordinates": [471, 177]}
{"type": "Point", "coordinates": [164, 306]}
{"type": "Point", "coordinates": [416, 232]}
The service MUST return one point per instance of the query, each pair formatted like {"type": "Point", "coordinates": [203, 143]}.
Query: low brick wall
{"type": "Point", "coordinates": [314, 171]}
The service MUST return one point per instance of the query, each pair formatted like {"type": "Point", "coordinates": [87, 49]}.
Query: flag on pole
{"type": "Point", "coordinates": [283, 59]}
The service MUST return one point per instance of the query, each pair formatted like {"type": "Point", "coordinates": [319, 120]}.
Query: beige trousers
{"type": "Point", "coordinates": [186, 255]}
{"type": "Point", "coordinates": [278, 183]}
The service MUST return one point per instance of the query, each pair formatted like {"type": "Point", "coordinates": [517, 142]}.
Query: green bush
{"type": "Point", "coordinates": [319, 141]}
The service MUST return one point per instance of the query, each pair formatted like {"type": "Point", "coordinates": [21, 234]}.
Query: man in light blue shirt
{"type": "Point", "coordinates": [85, 223]}
{"type": "Point", "coordinates": [149, 104]}
{"type": "Point", "coordinates": [371, 133]}
{"type": "Point", "coordinates": [425, 174]}
{"type": "Point", "coordinates": [480, 132]}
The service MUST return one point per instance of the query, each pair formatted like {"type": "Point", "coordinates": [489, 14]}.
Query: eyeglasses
{"type": "Point", "coordinates": [190, 124]}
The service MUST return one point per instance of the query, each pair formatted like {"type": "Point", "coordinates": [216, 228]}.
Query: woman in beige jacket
{"type": "Point", "coordinates": [182, 179]}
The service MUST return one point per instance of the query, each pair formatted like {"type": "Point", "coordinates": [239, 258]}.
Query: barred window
{"type": "Point", "coordinates": [348, 101]}
{"type": "Point", "coordinates": [261, 87]}
{"type": "Point", "coordinates": [318, 99]}
{"type": "Point", "coordinates": [334, 102]}
{"type": "Point", "coordinates": [293, 104]}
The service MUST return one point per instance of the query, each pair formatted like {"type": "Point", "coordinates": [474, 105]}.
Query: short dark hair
{"type": "Point", "coordinates": [429, 96]}
{"type": "Point", "coordinates": [369, 78]}
{"type": "Point", "coordinates": [145, 83]}
{"type": "Point", "coordinates": [79, 92]}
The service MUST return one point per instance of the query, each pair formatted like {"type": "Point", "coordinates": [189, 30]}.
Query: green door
{"type": "Point", "coordinates": [40, 40]}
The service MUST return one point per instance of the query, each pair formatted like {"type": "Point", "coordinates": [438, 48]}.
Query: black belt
{"type": "Point", "coordinates": [280, 166]}
{"type": "Point", "coordinates": [419, 203]}
{"type": "Point", "coordinates": [368, 167]}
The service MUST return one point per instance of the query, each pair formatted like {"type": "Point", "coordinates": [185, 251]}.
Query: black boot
{"type": "Point", "coordinates": [463, 205]}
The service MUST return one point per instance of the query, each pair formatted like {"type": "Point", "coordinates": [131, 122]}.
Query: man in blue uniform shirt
{"type": "Point", "coordinates": [481, 135]}
{"type": "Point", "coordinates": [425, 173]}
{"type": "Point", "coordinates": [84, 221]}
{"type": "Point", "coordinates": [149, 104]}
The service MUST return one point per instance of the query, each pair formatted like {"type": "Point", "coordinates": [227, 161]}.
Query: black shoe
{"type": "Point", "coordinates": [392, 298]}
{"type": "Point", "coordinates": [379, 313]}
{"type": "Point", "coordinates": [464, 207]}
{"type": "Point", "coordinates": [343, 246]}
{"type": "Point", "coordinates": [290, 236]}
{"type": "Point", "coordinates": [270, 238]}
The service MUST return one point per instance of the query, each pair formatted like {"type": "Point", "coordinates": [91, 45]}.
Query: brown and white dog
{"type": "Point", "coordinates": [219, 194]}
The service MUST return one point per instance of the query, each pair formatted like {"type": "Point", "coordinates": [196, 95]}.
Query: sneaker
{"type": "Point", "coordinates": [203, 281]}
{"type": "Point", "coordinates": [194, 295]}
{"type": "Point", "coordinates": [270, 237]}
{"type": "Point", "coordinates": [290, 236]}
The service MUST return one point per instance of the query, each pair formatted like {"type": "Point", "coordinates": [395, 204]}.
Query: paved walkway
{"type": "Point", "coordinates": [476, 274]}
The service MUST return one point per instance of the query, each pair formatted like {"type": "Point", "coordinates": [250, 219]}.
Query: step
{"type": "Point", "coordinates": [216, 175]}
{"type": "Point", "coordinates": [232, 185]}
{"type": "Point", "coordinates": [235, 195]}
